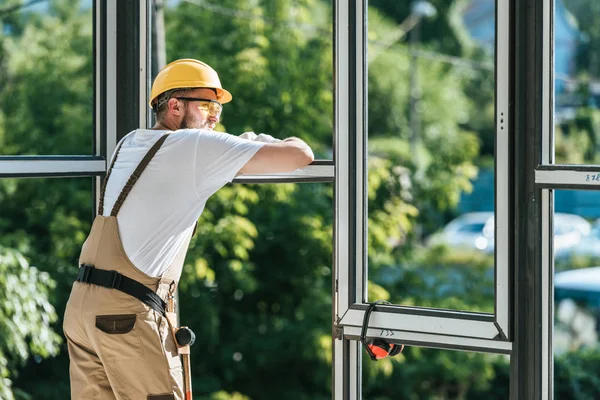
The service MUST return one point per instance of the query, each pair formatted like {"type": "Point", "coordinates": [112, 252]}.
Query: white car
{"type": "Point", "coordinates": [577, 309]}
{"type": "Point", "coordinates": [475, 230]}
{"type": "Point", "coordinates": [589, 245]}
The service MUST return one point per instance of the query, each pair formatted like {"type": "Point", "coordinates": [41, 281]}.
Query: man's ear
{"type": "Point", "coordinates": [174, 106]}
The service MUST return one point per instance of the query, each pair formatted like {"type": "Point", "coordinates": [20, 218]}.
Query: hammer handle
{"type": "Point", "coordinates": [187, 376]}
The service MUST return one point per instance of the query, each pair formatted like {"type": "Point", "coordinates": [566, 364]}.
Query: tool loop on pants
{"type": "Point", "coordinates": [114, 280]}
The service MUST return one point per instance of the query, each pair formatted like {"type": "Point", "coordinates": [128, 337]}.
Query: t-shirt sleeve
{"type": "Point", "coordinates": [219, 157]}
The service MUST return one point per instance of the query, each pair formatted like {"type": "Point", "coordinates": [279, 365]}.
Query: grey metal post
{"type": "Point", "coordinates": [128, 60]}
{"type": "Point", "coordinates": [526, 360]}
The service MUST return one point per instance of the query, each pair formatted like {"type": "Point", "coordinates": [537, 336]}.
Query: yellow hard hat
{"type": "Point", "coordinates": [188, 73]}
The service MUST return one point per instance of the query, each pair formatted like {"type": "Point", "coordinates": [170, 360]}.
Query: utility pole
{"type": "Point", "coordinates": [159, 51]}
{"type": "Point", "coordinates": [415, 93]}
{"type": "Point", "coordinates": [420, 9]}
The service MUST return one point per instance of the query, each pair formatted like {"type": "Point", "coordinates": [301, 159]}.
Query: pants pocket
{"type": "Point", "coordinates": [118, 336]}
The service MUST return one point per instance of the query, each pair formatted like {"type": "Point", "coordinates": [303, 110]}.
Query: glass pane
{"type": "Point", "coordinates": [46, 78]}
{"type": "Point", "coordinates": [275, 57]}
{"type": "Point", "coordinates": [576, 338]}
{"type": "Point", "coordinates": [257, 282]}
{"type": "Point", "coordinates": [576, 78]}
{"type": "Point", "coordinates": [431, 153]}
{"type": "Point", "coordinates": [422, 373]}
{"type": "Point", "coordinates": [43, 223]}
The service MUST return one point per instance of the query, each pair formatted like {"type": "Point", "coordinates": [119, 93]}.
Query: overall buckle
{"type": "Point", "coordinates": [84, 273]}
{"type": "Point", "coordinates": [116, 280]}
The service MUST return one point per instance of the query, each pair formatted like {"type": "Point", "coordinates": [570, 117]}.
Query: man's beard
{"type": "Point", "coordinates": [191, 122]}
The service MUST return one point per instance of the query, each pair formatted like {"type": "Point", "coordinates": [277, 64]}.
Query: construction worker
{"type": "Point", "coordinates": [119, 320]}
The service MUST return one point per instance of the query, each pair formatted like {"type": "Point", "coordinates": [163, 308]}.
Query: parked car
{"type": "Point", "coordinates": [589, 245]}
{"type": "Point", "coordinates": [569, 231]}
{"type": "Point", "coordinates": [582, 284]}
{"type": "Point", "coordinates": [577, 309]}
{"type": "Point", "coordinates": [475, 230]}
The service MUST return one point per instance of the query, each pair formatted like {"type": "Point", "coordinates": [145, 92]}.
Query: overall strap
{"type": "Point", "coordinates": [103, 189]}
{"type": "Point", "coordinates": [136, 174]}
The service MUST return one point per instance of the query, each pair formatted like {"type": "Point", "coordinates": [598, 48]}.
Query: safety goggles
{"type": "Point", "coordinates": [212, 107]}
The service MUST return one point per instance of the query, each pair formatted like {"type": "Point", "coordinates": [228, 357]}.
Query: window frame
{"type": "Point", "coordinates": [80, 165]}
{"type": "Point", "coordinates": [428, 327]}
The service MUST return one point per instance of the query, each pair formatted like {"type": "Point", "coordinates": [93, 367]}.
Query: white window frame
{"type": "Point", "coordinates": [409, 325]}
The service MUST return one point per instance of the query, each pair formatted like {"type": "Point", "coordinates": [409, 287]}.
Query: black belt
{"type": "Point", "coordinates": [114, 280]}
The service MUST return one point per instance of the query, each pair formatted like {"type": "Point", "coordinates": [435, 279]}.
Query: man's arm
{"type": "Point", "coordinates": [281, 156]}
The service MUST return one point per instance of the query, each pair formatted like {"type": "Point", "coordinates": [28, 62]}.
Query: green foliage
{"type": "Point", "coordinates": [257, 285]}
{"type": "Point", "coordinates": [576, 375]}
{"type": "Point", "coordinates": [575, 261]}
{"type": "Point", "coordinates": [577, 140]}
{"type": "Point", "coordinates": [26, 316]}
{"type": "Point", "coordinates": [226, 396]}
{"type": "Point", "coordinates": [267, 307]}
{"type": "Point", "coordinates": [47, 85]}
{"type": "Point", "coordinates": [275, 58]}
{"type": "Point", "coordinates": [443, 278]}
{"type": "Point", "coordinates": [442, 165]}
{"type": "Point", "coordinates": [434, 375]}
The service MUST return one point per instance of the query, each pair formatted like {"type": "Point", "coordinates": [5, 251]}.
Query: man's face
{"type": "Point", "coordinates": [195, 113]}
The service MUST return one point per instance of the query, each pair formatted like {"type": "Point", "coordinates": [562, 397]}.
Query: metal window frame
{"type": "Point", "coordinates": [437, 328]}
{"type": "Point", "coordinates": [104, 38]}
{"type": "Point", "coordinates": [548, 178]}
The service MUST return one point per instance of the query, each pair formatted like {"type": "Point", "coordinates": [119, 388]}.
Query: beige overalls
{"type": "Point", "coordinates": [119, 347]}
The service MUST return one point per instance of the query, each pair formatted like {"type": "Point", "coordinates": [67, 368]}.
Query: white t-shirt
{"type": "Point", "coordinates": [160, 212]}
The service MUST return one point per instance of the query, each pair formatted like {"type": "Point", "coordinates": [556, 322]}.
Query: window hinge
{"type": "Point", "coordinates": [338, 331]}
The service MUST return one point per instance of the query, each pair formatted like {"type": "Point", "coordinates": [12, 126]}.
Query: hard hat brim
{"type": "Point", "coordinates": [223, 96]}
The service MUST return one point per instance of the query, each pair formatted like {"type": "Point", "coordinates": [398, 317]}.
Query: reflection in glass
{"type": "Point", "coordinates": [46, 78]}
{"type": "Point", "coordinates": [431, 154]}
{"type": "Point", "coordinates": [576, 335]}
{"type": "Point", "coordinates": [275, 57]}
{"type": "Point", "coordinates": [576, 82]}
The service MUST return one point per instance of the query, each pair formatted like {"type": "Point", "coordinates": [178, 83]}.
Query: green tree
{"type": "Point", "coordinates": [26, 317]}
{"type": "Point", "coordinates": [46, 107]}
{"type": "Point", "coordinates": [257, 282]}
{"type": "Point", "coordinates": [275, 58]}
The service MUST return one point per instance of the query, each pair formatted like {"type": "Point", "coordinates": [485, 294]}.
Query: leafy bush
{"type": "Point", "coordinates": [26, 316]}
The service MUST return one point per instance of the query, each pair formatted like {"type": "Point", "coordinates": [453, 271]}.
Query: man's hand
{"type": "Point", "coordinates": [248, 135]}
{"type": "Point", "coordinates": [262, 137]}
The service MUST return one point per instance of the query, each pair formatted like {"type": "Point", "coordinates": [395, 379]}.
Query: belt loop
{"type": "Point", "coordinates": [172, 288]}
{"type": "Point", "coordinates": [171, 297]}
